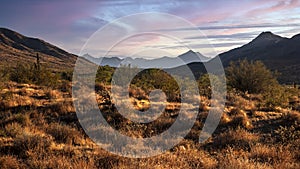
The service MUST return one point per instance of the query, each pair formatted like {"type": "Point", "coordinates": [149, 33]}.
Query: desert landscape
{"type": "Point", "coordinates": [259, 127]}
{"type": "Point", "coordinates": [129, 84]}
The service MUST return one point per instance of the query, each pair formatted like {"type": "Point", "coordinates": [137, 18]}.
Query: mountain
{"type": "Point", "coordinates": [277, 53]}
{"type": "Point", "coordinates": [191, 56]}
{"type": "Point", "coordinates": [260, 48]}
{"type": "Point", "coordinates": [163, 62]}
{"type": "Point", "coordinates": [17, 48]}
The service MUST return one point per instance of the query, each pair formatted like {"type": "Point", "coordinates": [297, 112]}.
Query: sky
{"type": "Point", "coordinates": [215, 26]}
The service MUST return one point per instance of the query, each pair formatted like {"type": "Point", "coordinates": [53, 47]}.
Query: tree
{"type": "Point", "coordinates": [251, 77]}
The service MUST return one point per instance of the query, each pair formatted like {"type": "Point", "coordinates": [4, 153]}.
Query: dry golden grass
{"type": "Point", "coordinates": [10, 162]}
{"type": "Point", "coordinates": [293, 116]}
{"type": "Point", "coordinates": [65, 134]}
{"type": "Point", "coordinates": [36, 132]}
{"type": "Point", "coordinates": [239, 138]}
{"type": "Point", "coordinates": [270, 154]}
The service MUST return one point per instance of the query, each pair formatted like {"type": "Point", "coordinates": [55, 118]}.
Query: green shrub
{"type": "Point", "coordinates": [67, 75]}
{"type": "Point", "coordinates": [275, 96]}
{"type": "Point", "coordinates": [252, 77]}
{"type": "Point", "coordinates": [205, 87]}
{"type": "Point", "coordinates": [29, 74]}
{"type": "Point", "coordinates": [151, 79]}
{"type": "Point", "coordinates": [22, 74]}
{"type": "Point", "coordinates": [104, 74]}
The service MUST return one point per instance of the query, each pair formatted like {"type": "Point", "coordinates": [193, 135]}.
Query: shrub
{"type": "Point", "coordinates": [4, 72]}
{"type": "Point", "coordinates": [151, 79]}
{"type": "Point", "coordinates": [23, 119]}
{"type": "Point", "coordinates": [10, 162]}
{"type": "Point", "coordinates": [251, 77]}
{"type": "Point", "coordinates": [64, 134]}
{"type": "Point", "coordinates": [205, 87]}
{"type": "Point", "coordinates": [34, 73]}
{"type": "Point", "coordinates": [271, 154]}
{"type": "Point", "coordinates": [275, 96]}
{"type": "Point", "coordinates": [13, 129]}
{"type": "Point", "coordinates": [287, 135]}
{"type": "Point", "coordinates": [28, 142]}
{"type": "Point", "coordinates": [104, 74]}
{"type": "Point", "coordinates": [239, 138]}
{"type": "Point", "coordinates": [67, 75]}
{"type": "Point", "coordinates": [22, 74]}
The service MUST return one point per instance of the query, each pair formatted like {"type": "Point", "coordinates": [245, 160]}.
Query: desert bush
{"type": "Point", "coordinates": [240, 138]}
{"type": "Point", "coordinates": [205, 87]}
{"type": "Point", "coordinates": [63, 108]}
{"type": "Point", "coordinates": [240, 120]}
{"type": "Point", "coordinates": [288, 134]}
{"type": "Point", "coordinates": [67, 75]}
{"type": "Point", "coordinates": [22, 74]}
{"type": "Point", "coordinates": [104, 74]}
{"type": "Point", "coordinates": [238, 160]}
{"type": "Point", "coordinates": [292, 117]}
{"type": "Point", "coordinates": [29, 74]}
{"type": "Point", "coordinates": [65, 86]}
{"type": "Point", "coordinates": [271, 154]}
{"type": "Point", "coordinates": [28, 142]}
{"type": "Point", "coordinates": [275, 96]}
{"type": "Point", "coordinates": [52, 94]}
{"type": "Point", "coordinates": [10, 162]}
{"type": "Point", "coordinates": [251, 77]}
{"type": "Point", "coordinates": [64, 134]}
{"type": "Point", "coordinates": [4, 75]}
{"type": "Point", "coordinates": [151, 79]}
{"type": "Point", "coordinates": [254, 78]}
{"type": "Point", "coordinates": [23, 119]}
{"type": "Point", "coordinates": [13, 129]}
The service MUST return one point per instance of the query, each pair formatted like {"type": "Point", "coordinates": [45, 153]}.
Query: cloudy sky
{"type": "Point", "coordinates": [221, 24]}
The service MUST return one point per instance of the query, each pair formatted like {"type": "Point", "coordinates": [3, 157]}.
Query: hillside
{"type": "Point", "coordinates": [277, 53]}
{"type": "Point", "coordinates": [17, 48]}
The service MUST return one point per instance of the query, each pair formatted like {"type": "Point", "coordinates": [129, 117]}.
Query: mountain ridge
{"type": "Point", "coordinates": [276, 52]}
{"type": "Point", "coordinates": [17, 48]}
{"type": "Point", "coordinates": [163, 62]}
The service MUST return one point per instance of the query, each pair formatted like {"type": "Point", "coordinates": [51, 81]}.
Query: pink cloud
{"type": "Point", "coordinates": [281, 5]}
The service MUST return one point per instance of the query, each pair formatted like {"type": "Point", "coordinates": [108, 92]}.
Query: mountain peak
{"type": "Point", "coordinates": [296, 36]}
{"type": "Point", "coordinates": [189, 52]}
{"type": "Point", "coordinates": [266, 33]}
{"type": "Point", "coordinates": [266, 38]}
{"type": "Point", "coordinates": [191, 56]}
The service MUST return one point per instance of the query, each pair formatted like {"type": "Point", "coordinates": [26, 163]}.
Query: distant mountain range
{"type": "Point", "coordinates": [277, 53]}
{"type": "Point", "coordinates": [163, 62]}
